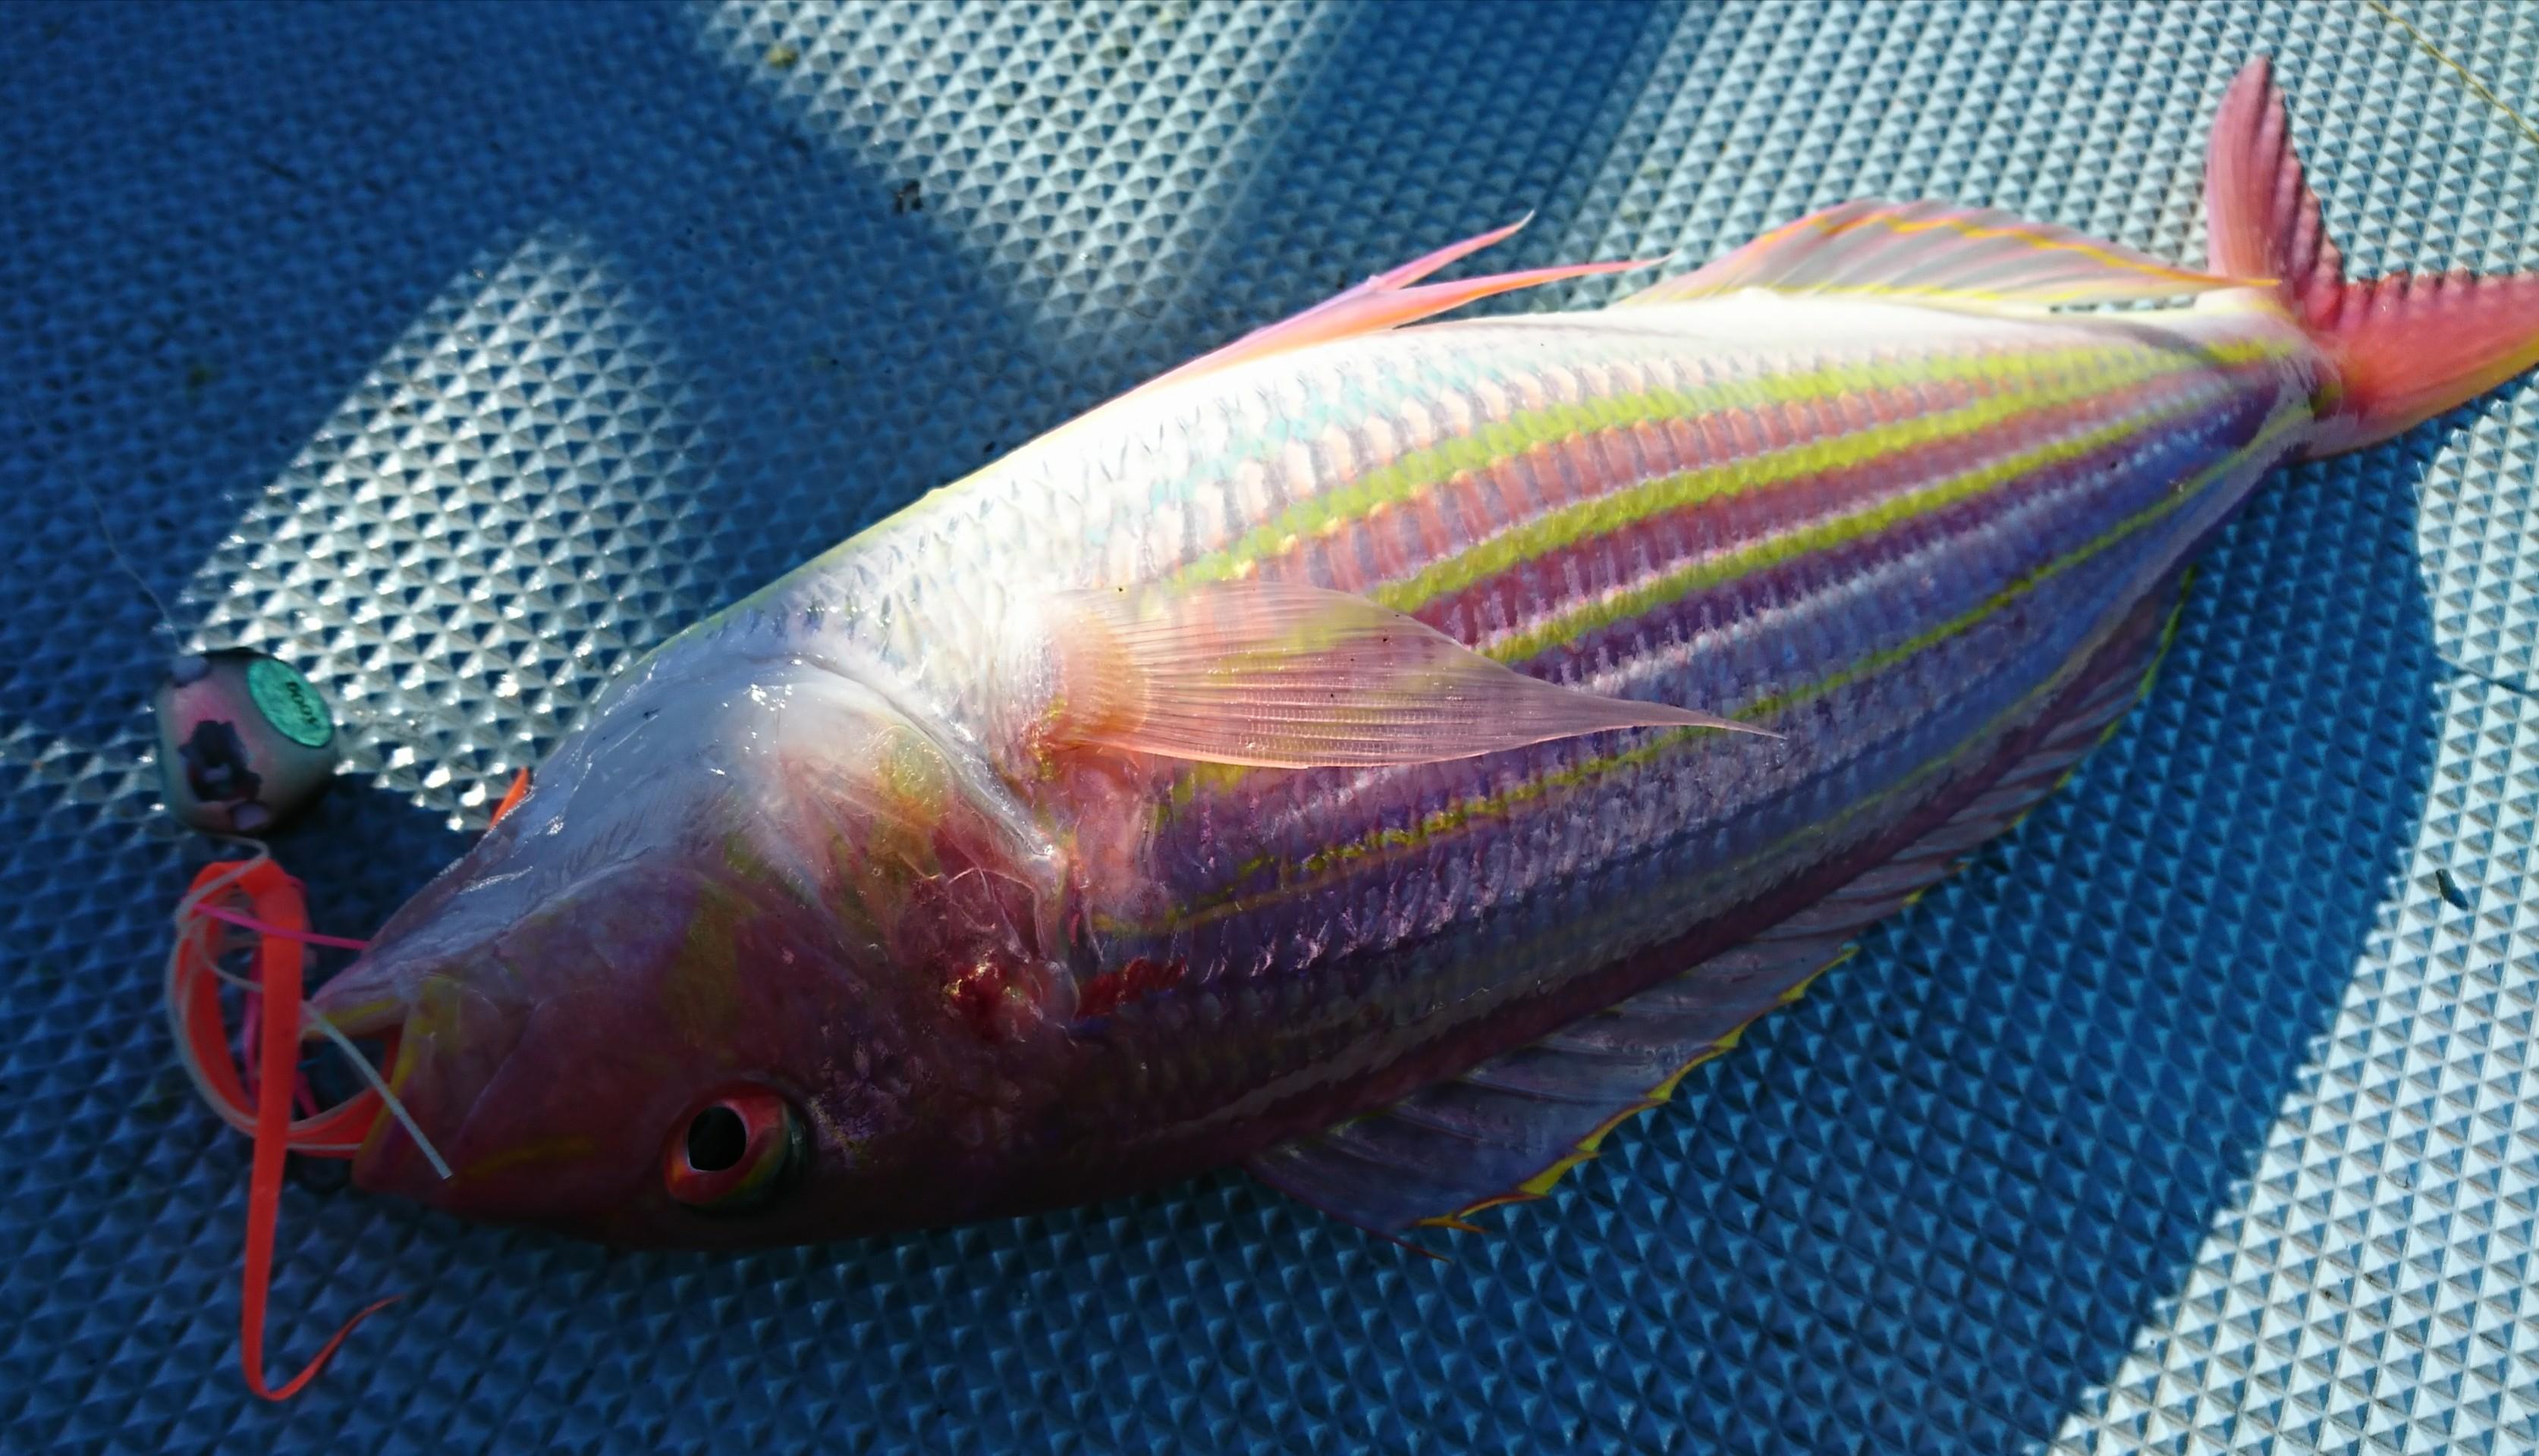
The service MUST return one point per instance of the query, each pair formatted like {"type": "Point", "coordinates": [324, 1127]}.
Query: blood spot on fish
{"type": "Point", "coordinates": [999, 998]}
{"type": "Point", "coordinates": [1142, 977]}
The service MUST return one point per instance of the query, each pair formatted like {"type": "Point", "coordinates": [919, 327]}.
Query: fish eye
{"type": "Point", "coordinates": [735, 1150]}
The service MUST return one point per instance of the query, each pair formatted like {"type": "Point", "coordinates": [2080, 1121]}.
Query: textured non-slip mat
{"type": "Point", "coordinates": [459, 352]}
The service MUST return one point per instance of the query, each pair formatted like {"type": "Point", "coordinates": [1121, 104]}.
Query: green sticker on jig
{"type": "Point", "coordinates": [289, 703]}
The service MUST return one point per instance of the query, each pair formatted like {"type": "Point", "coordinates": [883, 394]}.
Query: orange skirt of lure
{"type": "Point", "coordinates": [255, 895]}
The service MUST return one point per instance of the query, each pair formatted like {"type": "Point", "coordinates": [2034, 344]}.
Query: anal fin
{"type": "Point", "coordinates": [1505, 1131]}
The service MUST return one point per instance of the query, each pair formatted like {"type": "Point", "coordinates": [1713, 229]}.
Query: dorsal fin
{"type": "Point", "coordinates": [1390, 299]}
{"type": "Point", "coordinates": [1505, 1131]}
{"type": "Point", "coordinates": [1932, 252]}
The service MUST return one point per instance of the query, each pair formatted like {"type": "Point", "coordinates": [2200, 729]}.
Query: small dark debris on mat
{"type": "Point", "coordinates": [2451, 889]}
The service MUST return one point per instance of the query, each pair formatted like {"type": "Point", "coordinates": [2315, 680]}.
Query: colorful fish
{"type": "Point", "coordinates": [1383, 758]}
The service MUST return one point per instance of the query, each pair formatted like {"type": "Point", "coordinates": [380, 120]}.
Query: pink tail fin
{"type": "Point", "coordinates": [2405, 348]}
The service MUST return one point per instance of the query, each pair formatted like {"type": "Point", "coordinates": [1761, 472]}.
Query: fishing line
{"type": "Point", "coordinates": [106, 533]}
{"type": "Point", "coordinates": [379, 1085]}
{"type": "Point", "coordinates": [246, 921]}
{"type": "Point", "coordinates": [2466, 76]}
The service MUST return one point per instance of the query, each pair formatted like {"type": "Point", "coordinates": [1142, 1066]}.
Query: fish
{"type": "Point", "coordinates": [1383, 754]}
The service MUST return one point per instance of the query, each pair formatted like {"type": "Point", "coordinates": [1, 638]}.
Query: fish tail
{"type": "Point", "coordinates": [2399, 349]}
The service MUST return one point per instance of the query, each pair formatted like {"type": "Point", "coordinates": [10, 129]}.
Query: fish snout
{"type": "Point", "coordinates": [452, 1039]}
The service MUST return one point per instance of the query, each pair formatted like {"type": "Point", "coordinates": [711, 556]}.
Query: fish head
{"type": "Point", "coordinates": [757, 960]}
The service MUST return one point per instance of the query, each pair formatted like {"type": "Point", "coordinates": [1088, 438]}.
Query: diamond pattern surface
{"type": "Point", "coordinates": [459, 353]}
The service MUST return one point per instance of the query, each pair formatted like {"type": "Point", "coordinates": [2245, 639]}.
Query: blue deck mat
{"type": "Point", "coordinates": [460, 352]}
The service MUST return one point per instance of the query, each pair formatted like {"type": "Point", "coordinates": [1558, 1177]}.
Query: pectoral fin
{"type": "Point", "coordinates": [1280, 676]}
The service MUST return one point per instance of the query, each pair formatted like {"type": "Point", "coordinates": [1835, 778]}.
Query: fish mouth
{"type": "Point", "coordinates": [448, 1040]}
{"type": "Point", "coordinates": [361, 1018]}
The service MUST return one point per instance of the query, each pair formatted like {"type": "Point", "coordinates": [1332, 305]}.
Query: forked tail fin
{"type": "Point", "coordinates": [2403, 348]}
